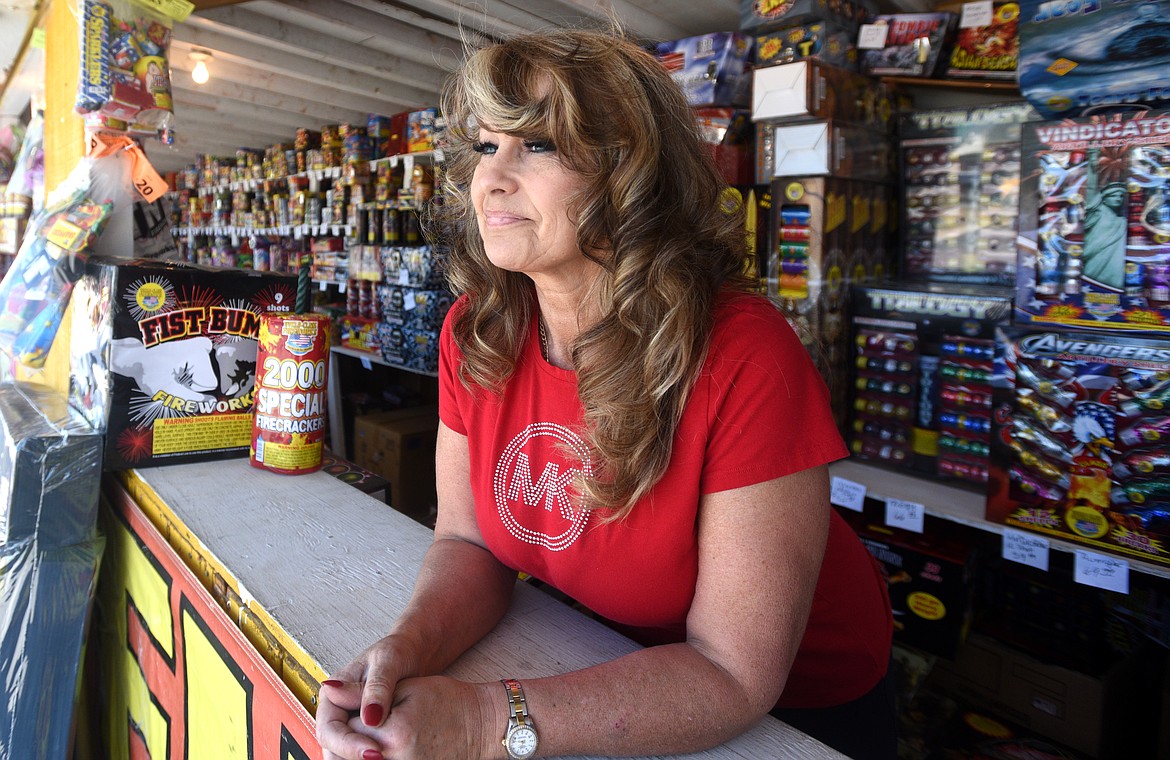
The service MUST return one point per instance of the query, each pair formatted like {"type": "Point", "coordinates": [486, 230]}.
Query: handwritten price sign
{"type": "Point", "coordinates": [905, 514]}
{"type": "Point", "coordinates": [1101, 571]}
{"type": "Point", "coordinates": [1025, 548]}
{"type": "Point", "coordinates": [847, 494]}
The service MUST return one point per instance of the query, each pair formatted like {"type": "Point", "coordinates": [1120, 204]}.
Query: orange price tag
{"type": "Point", "coordinates": [147, 181]}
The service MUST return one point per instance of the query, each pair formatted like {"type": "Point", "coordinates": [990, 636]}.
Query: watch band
{"type": "Point", "coordinates": [516, 700]}
{"type": "Point", "coordinates": [520, 739]}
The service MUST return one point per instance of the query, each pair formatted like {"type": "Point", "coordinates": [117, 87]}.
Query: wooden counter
{"type": "Point", "coordinates": [315, 570]}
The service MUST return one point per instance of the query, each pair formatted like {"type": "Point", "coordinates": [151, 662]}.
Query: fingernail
{"type": "Point", "coordinates": [372, 754]}
{"type": "Point", "coordinates": [333, 682]}
{"type": "Point", "coordinates": [372, 716]}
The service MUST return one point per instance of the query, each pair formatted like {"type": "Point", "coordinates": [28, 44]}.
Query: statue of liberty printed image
{"type": "Point", "coordinates": [1105, 228]}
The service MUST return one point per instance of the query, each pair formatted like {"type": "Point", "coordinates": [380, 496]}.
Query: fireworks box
{"type": "Point", "coordinates": [820, 224]}
{"type": "Point", "coordinates": [360, 334]}
{"type": "Point", "coordinates": [1094, 242]}
{"type": "Point", "coordinates": [814, 89]}
{"type": "Point", "coordinates": [818, 40]}
{"type": "Point", "coordinates": [711, 69]}
{"type": "Point", "coordinates": [931, 581]}
{"type": "Point", "coordinates": [960, 171]}
{"type": "Point", "coordinates": [1082, 422]}
{"type": "Point", "coordinates": [163, 357]}
{"type": "Point", "coordinates": [922, 358]}
{"type": "Point", "coordinates": [1080, 57]}
{"type": "Point", "coordinates": [1090, 712]}
{"type": "Point", "coordinates": [913, 44]}
{"type": "Point", "coordinates": [987, 52]}
{"type": "Point", "coordinates": [761, 15]}
{"type": "Point", "coordinates": [823, 147]}
{"type": "Point", "coordinates": [413, 307]}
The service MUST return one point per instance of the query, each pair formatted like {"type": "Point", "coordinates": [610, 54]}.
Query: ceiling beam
{"type": "Point", "coordinates": [422, 42]}
{"type": "Point", "coordinates": [268, 59]}
{"type": "Point", "coordinates": [232, 69]}
{"type": "Point", "coordinates": [310, 43]}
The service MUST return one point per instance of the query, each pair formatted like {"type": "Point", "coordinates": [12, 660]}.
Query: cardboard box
{"type": "Point", "coordinates": [819, 40]}
{"type": "Point", "coordinates": [988, 52]}
{"type": "Point", "coordinates": [1079, 443]}
{"type": "Point", "coordinates": [816, 90]}
{"type": "Point", "coordinates": [1086, 56]}
{"type": "Point", "coordinates": [710, 68]}
{"type": "Point", "coordinates": [913, 44]}
{"type": "Point", "coordinates": [1092, 249]}
{"type": "Point", "coordinates": [163, 357]}
{"type": "Point", "coordinates": [399, 446]}
{"type": "Point", "coordinates": [931, 582]}
{"type": "Point", "coordinates": [922, 393]}
{"type": "Point", "coordinates": [825, 147]}
{"type": "Point", "coordinates": [761, 15]}
{"type": "Point", "coordinates": [1088, 712]}
{"type": "Point", "coordinates": [960, 170]}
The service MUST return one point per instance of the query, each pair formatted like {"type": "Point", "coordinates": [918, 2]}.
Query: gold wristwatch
{"type": "Point", "coordinates": [520, 739]}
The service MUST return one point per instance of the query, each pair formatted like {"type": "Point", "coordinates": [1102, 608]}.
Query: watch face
{"type": "Point", "coordinates": [521, 742]}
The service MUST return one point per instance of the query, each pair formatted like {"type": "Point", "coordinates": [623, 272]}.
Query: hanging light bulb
{"type": "Point", "coordinates": [200, 74]}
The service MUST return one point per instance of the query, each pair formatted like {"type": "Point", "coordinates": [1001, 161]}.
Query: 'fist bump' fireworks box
{"type": "Point", "coordinates": [163, 357]}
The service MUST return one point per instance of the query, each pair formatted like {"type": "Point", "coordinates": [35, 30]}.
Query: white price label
{"type": "Point", "coordinates": [1025, 548]}
{"type": "Point", "coordinates": [847, 494]}
{"type": "Point", "coordinates": [366, 364]}
{"type": "Point", "coordinates": [872, 36]}
{"type": "Point", "coordinates": [408, 303]}
{"type": "Point", "coordinates": [324, 286]}
{"type": "Point", "coordinates": [905, 514]}
{"type": "Point", "coordinates": [438, 154]}
{"type": "Point", "coordinates": [1101, 571]}
{"type": "Point", "coordinates": [975, 14]}
{"type": "Point", "coordinates": [407, 166]}
{"type": "Point", "coordinates": [403, 276]}
{"type": "Point", "coordinates": [341, 286]}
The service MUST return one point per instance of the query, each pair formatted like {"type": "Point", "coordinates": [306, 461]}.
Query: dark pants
{"type": "Point", "coordinates": [864, 729]}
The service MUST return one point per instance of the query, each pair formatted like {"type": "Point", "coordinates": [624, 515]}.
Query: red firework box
{"type": "Point", "coordinates": [163, 357]}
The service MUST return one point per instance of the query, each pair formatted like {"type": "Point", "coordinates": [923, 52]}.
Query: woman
{"type": "Point", "coordinates": [622, 419]}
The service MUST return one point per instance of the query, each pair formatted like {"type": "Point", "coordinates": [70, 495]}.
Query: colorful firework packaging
{"type": "Point", "coordinates": [1094, 242]}
{"type": "Point", "coordinates": [36, 290]}
{"type": "Point", "coordinates": [288, 428]}
{"type": "Point", "coordinates": [1079, 447]}
{"type": "Point", "coordinates": [163, 356]}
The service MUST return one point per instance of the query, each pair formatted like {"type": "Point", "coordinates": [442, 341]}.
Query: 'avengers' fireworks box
{"type": "Point", "coordinates": [1082, 423]}
{"type": "Point", "coordinates": [1082, 55]}
{"type": "Point", "coordinates": [163, 357]}
{"type": "Point", "coordinates": [1094, 244]}
{"type": "Point", "coordinates": [912, 46]}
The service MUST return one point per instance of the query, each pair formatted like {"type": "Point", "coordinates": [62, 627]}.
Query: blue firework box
{"type": "Point", "coordinates": [712, 69]}
{"type": "Point", "coordinates": [1081, 56]}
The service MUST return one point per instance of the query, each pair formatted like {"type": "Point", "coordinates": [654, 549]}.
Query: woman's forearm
{"type": "Point", "coordinates": [461, 592]}
{"type": "Point", "coordinates": [664, 700]}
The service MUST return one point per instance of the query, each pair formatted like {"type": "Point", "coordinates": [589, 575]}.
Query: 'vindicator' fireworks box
{"type": "Point", "coordinates": [1094, 242]}
{"type": "Point", "coordinates": [163, 357]}
{"type": "Point", "coordinates": [1080, 446]}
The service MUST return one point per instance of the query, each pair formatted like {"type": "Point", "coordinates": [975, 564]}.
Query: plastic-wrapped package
{"type": "Point", "coordinates": [124, 80]}
{"type": "Point", "coordinates": [50, 470]}
{"type": "Point", "coordinates": [26, 188]}
{"type": "Point", "coordinates": [99, 193]}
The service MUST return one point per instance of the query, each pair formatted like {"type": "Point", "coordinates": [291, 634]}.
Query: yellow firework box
{"type": "Point", "coordinates": [292, 367]}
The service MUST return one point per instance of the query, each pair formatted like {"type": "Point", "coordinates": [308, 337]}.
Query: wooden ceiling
{"type": "Point", "coordinates": [277, 65]}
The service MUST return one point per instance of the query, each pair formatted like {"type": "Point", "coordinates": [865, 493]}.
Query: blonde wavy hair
{"type": "Point", "coordinates": [652, 216]}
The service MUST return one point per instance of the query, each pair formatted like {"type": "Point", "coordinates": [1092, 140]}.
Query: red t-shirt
{"type": "Point", "coordinates": [759, 410]}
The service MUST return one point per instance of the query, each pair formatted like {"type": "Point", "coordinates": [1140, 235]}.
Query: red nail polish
{"type": "Point", "coordinates": [333, 682]}
{"type": "Point", "coordinates": [372, 754]}
{"type": "Point", "coordinates": [372, 716]}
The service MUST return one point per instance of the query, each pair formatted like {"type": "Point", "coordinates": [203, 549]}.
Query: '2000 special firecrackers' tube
{"type": "Point", "coordinates": [292, 366]}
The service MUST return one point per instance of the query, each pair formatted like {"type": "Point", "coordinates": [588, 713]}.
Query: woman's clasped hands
{"type": "Point", "coordinates": [374, 708]}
